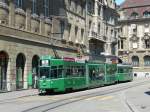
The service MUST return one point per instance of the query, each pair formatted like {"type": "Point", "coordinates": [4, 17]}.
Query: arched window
{"type": "Point", "coordinates": [134, 15]}
{"type": "Point", "coordinates": [146, 14]}
{"type": "Point", "coordinates": [146, 60]}
{"type": "Point", "coordinates": [135, 61]}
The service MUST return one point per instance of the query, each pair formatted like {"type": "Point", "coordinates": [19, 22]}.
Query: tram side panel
{"type": "Point", "coordinates": [74, 77]}
{"type": "Point", "coordinates": [54, 81]}
{"type": "Point", "coordinates": [96, 74]}
{"type": "Point", "coordinates": [124, 73]}
{"type": "Point", "coordinates": [110, 73]}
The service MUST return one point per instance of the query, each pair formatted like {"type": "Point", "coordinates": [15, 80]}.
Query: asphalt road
{"type": "Point", "coordinates": [125, 97]}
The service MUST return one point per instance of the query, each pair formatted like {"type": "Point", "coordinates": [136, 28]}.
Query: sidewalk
{"type": "Point", "coordinates": [18, 94]}
{"type": "Point", "coordinates": [139, 97]}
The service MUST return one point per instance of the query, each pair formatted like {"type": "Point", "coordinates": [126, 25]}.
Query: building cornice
{"type": "Point", "coordinates": [133, 20]}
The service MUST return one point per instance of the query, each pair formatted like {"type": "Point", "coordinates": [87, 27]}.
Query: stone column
{"type": "Point", "coordinates": [11, 73]}
{"type": "Point", "coordinates": [8, 75]}
{"type": "Point", "coordinates": [108, 50]}
{"type": "Point", "coordinates": [95, 16]}
{"type": "Point", "coordinates": [42, 24]}
{"type": "Point", "coordinates": [28, 15]}
{"type": "Point", "coordinates": [96, 8]}
{"type": "Point", "coordinates": [102, 24]}
{"type": "Point", "coordinates": [11, 13]}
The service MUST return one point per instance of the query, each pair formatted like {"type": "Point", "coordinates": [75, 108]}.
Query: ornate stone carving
{"type": "Point", "coordinates": [146, 37]}
{"type": "Point", "coordinates": [146, 41]}
{"type": "Point", "coordinates": [48, 27]}
{"type": "Point", "coordinates": [3, 13]}
{"type": "Point", "coordinates": [35, 23]}
{"type": "Point", "coordinates": [134, 38]}
{"type": "Point", "coordinates": [20, 18]}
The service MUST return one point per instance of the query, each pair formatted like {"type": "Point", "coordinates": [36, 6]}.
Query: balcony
{"type": "Point", "coordinates": [95, 35]}
{"type": "Point", "coordinates": [114, 40]}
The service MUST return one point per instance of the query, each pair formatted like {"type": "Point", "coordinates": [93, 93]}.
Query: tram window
{"type": "Point", "coordinates": [92, 74]}
{"type": "Point", "coordinates": [60, 71]}
{"type": "Point", "coordinates": [81, 71]}
{"type": "Point", "coordinates": [53, 72]}
{"type": "Point", "coordinates": [44, 62]}
{"type": "Point", "coordinates": [68, 71]}
{"type": "Point", "coordinates": [101, 72]}
{"type": "Point", "coordinates": [120, 70]}
{"type": "Point", "coordinates": [75, 71]}
{"type": "Point", "coordinates": [44, 72]}
{"type": "Point", "coordinates": [126, 70]}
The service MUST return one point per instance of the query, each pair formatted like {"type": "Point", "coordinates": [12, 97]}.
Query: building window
{"type": "Point", "coordinates": [146, 14]}
{"type": "Point", "coordinates": [118, 44]}
{"type": "Point", "coordinates": [82, 9]}
{"type": "Point", "coordinates": [69, 3]}
{"type": "Point", "coordinates": [112, 32]}
{"type": "Point", "coordinates": [46, 8]}
{"type": "Point", "coordinates": [90, 24]}
{"type": "Point", "coordinates": [62, 28]}
{"type": "Point", "coordinates": [106, 31]}
{"type": "Point", "coordinates": [19, 3]}
{"type": "Point", "coordinates": [99, 28]}
{"type": "Point", "coordinates": [122, 44]}
{"type": "Point", "coordinates": [147, 43]}
{"type": "Point", "coordinates": [134, 30]}
{"type": "Point", "coordinates": [34, 6]}
{"type": "Point", "coordinates": [134, 15]}
{"type": "Point", "coordinates": [91, 7]}
{"type": "Point", "coordinates": [147, 61]}
{"type": "Point", "coordinates": [76, 31]}
{"type": "Point", "coordinates": [135, 61]}
{"type": "Point", "coordinates": [69, 29]}
{"type": "Point", "coordinates": [82, 34]}
{"type": "Point", "coordinates": [76, 6]}
{"type": "Point", "coordinates": [99, 10]}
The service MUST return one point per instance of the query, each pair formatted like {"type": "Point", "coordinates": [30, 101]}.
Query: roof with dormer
{"type": "Point", "coordinates": [137, 6]}
{"type": "Point", "coordinates": [135, 3]}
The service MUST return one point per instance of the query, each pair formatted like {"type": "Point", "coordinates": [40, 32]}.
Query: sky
{"type": "Point", "coordinates": [119, 2]}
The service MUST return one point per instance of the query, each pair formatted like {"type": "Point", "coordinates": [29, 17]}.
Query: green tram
{"type": "Point", "coordinates": [59, 75]}
{"type": "Point", "coordinates": [124, 72]}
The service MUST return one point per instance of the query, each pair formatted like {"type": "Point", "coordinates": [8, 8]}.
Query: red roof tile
{"type": "Point", "coordinates": [134, 3]}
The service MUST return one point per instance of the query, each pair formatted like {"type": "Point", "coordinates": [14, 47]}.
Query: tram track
{"type": "Point", "coordinates": [59, 103]}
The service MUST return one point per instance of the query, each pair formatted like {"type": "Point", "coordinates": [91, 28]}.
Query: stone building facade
{"type": "Point", "coordinates": [134, 35]}
{"type": "Point", "coordinates": [101, 19]}
{"type": "Point", "coordinates": [31, 28]}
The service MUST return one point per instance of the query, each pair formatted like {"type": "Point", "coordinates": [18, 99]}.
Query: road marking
{"type": "Point", "coordinates": [95, 97]}
{"type": "Point", "coordinates": [107, 98]}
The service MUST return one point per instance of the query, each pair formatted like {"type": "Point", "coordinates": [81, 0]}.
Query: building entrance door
{"type": "Point", "coordinates": [35, 64]}
{"type": "Point", "coordinates": [3, 70]}
{"type": "Point", "coordinates": [20, 64]}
